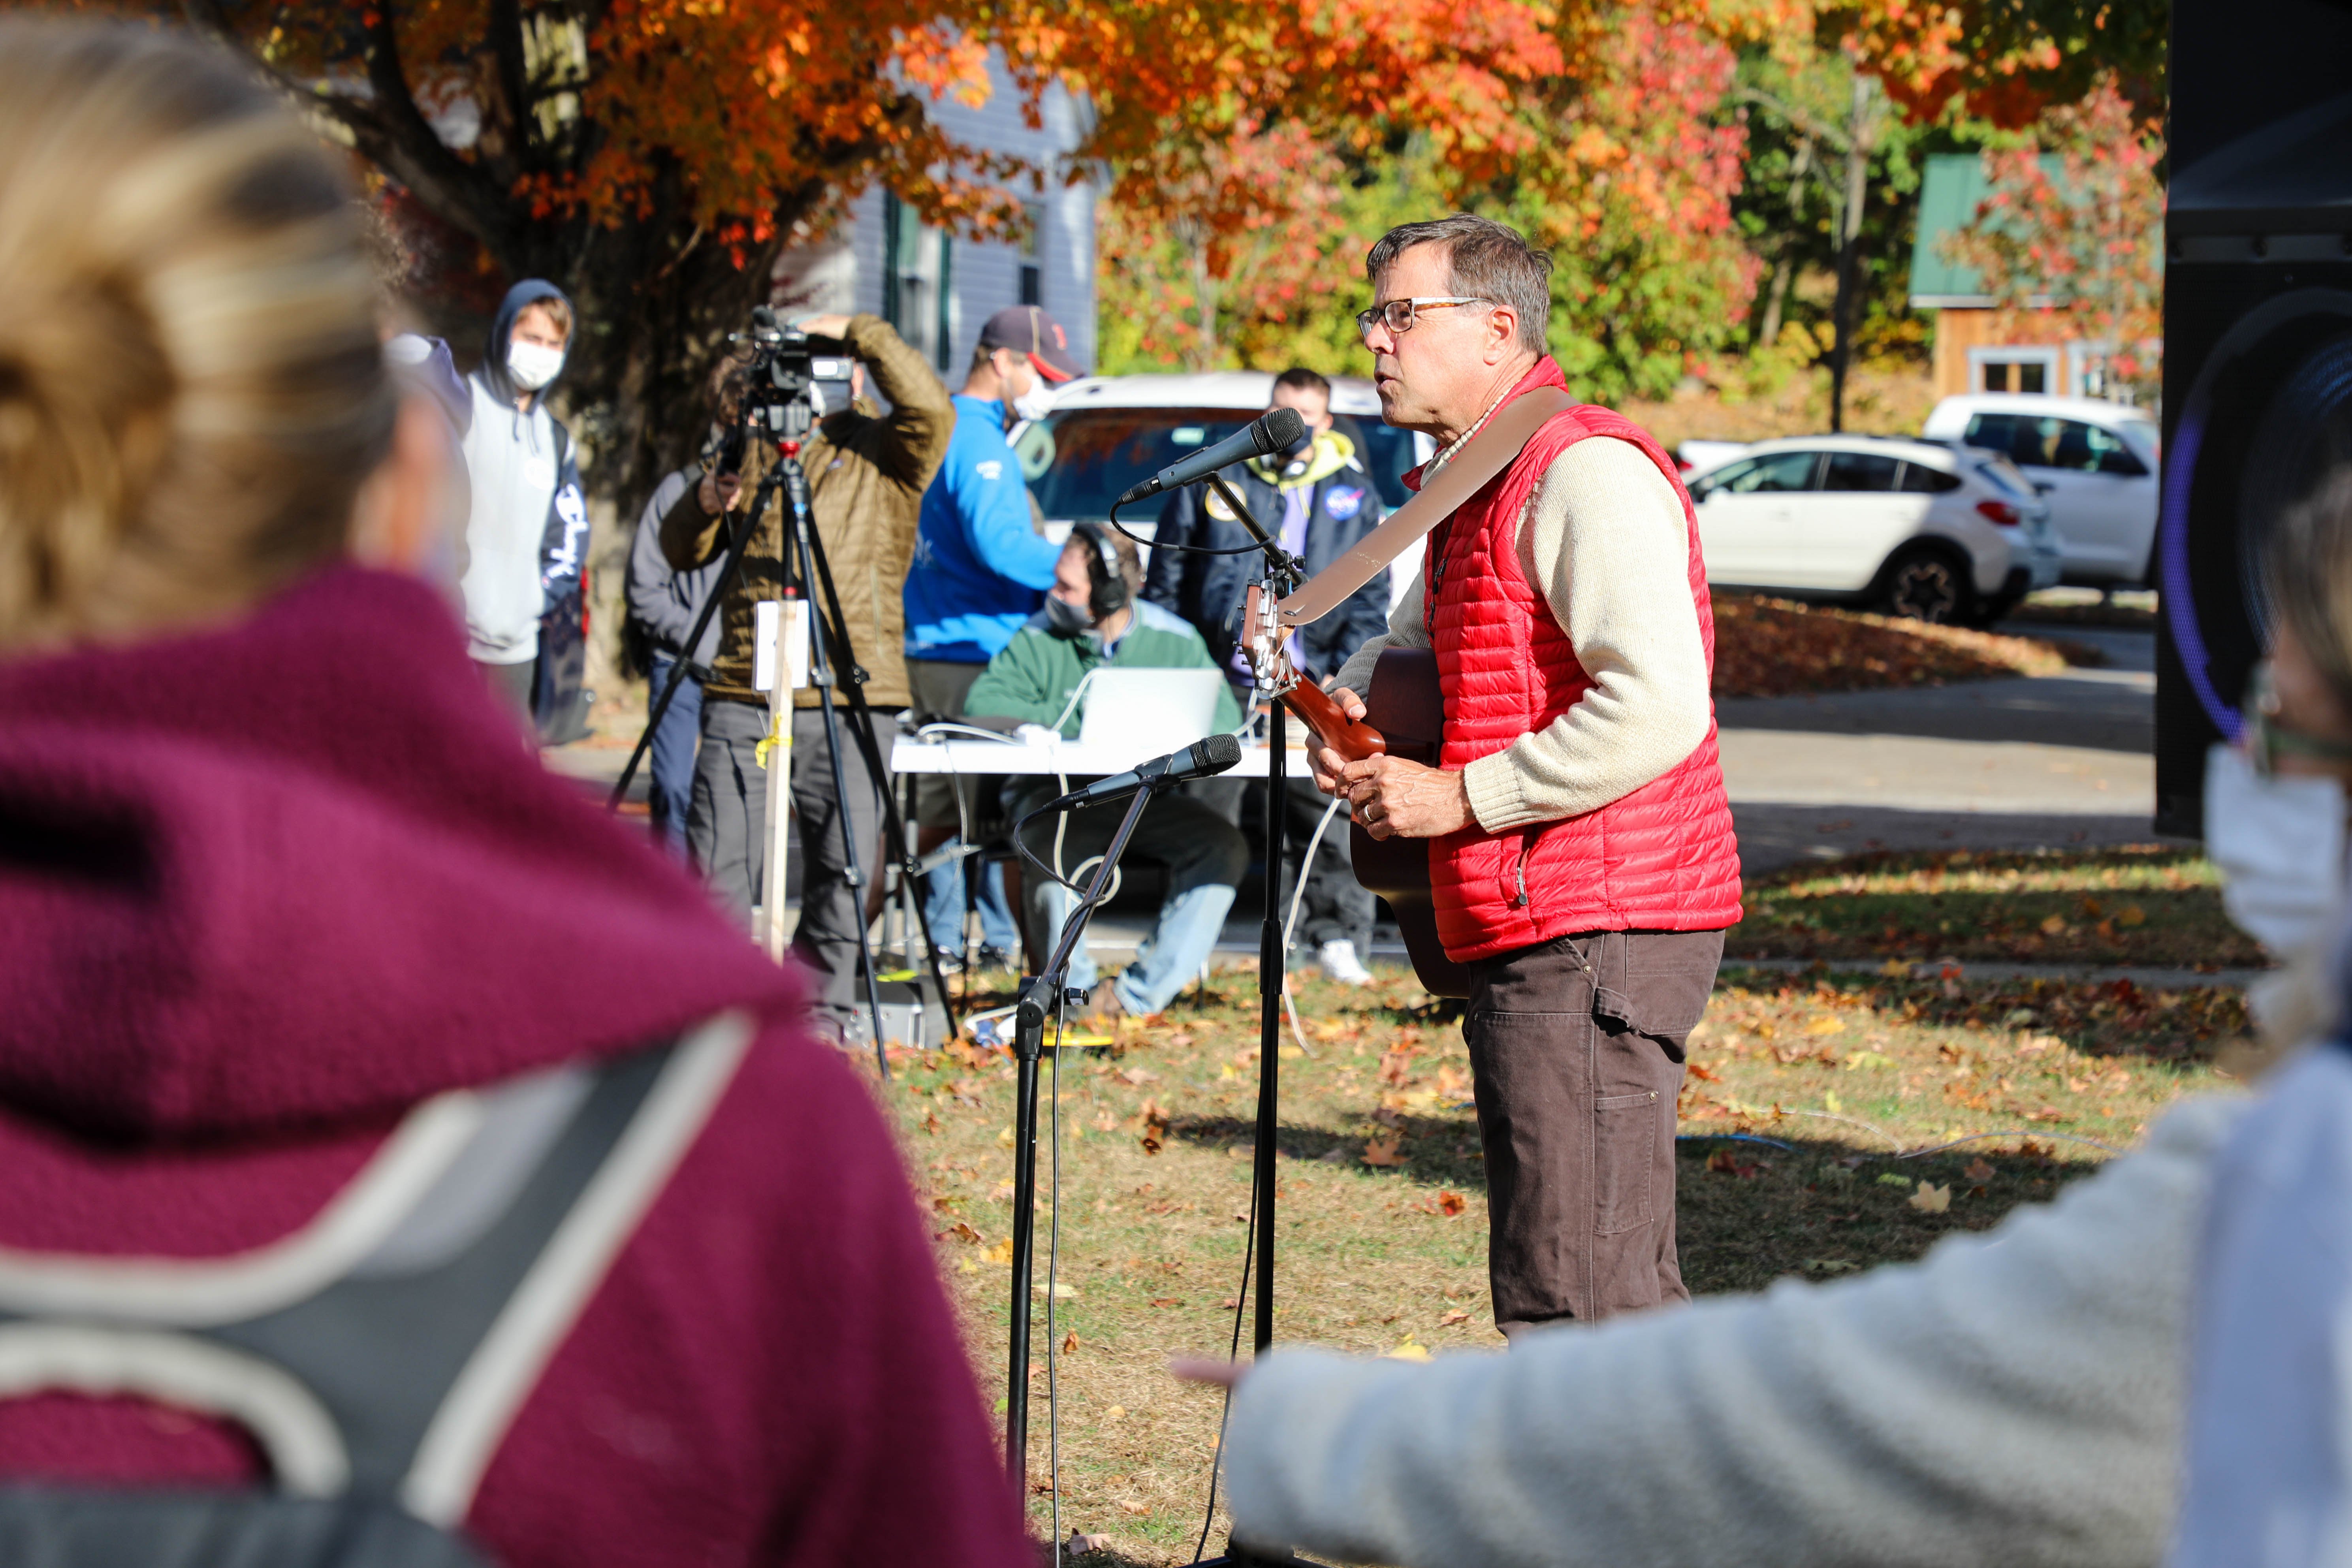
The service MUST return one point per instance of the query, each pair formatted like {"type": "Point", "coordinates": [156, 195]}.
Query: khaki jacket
{"type": "Point", "coordinates": [867, 475]}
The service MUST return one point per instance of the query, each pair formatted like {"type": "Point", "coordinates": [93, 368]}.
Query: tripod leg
{"type": "Point", "coordinates": [836, 627]}
{"type": "Point", "coordinates": [822, 678]}
{"type": "Point", "coordinates": [718, 594]}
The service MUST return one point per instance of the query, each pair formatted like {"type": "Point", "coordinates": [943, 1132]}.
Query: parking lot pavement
{"type": "Point", "coordinates": [2059, 761]}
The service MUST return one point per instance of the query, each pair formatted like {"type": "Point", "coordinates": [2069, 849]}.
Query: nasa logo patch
{"type": "Point", "coordinates": [1343, 501]}
{"type": "Point", "coordinates": [1214, 505]}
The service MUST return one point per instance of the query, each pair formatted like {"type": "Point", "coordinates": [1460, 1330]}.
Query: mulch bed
{"type": "Point", "coordinates": [1778, 648]}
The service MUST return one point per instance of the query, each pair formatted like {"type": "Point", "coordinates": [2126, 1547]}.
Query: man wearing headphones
{"type": "Point", "coordinates": [1092, 620]}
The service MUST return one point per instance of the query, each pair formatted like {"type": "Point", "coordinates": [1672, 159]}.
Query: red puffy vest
{"type": "Point", "coordinates": [1661, 858]}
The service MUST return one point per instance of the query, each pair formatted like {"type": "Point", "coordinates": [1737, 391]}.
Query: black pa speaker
{"type": "Point", "coordinates": [2257, 344]}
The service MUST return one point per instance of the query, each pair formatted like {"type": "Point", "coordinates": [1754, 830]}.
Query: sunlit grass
{"type": "Point", "coordinates": [1852, 1074]}
{"type": "Point", "coordinates": [2144, 904]}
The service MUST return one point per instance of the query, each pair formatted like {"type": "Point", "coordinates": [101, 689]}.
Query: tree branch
{"type": "Point", "coordinates": [395, 132]}
{"type": "Point", "coordinates": [514, 77]}
{"type": "Point", "coordinates": [1817, 130]}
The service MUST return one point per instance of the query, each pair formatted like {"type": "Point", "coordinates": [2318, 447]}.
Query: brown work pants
{"type": "Point", "coordinates": [1577, 1045]}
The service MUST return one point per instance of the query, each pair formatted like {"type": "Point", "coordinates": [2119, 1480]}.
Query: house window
{"type": "Point", "coordinates": [917, 281]}
{"type": "Point", "coordinates": [1032, 247]}
{"type": "Point", "coordinates": [2013, 370]}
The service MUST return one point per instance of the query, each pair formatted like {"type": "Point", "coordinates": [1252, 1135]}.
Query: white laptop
{"type": "Point", "coordinates": [1146, 713]}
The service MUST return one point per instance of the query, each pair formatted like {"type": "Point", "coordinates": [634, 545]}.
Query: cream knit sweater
{"type": "Point", "coordinates": [1603, 540]}
{"type": "Point", "coordinates": [2013, 1400]}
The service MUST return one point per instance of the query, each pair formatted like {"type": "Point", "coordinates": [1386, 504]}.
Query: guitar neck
{"type": "Point", "coordinates": [1351, 738]}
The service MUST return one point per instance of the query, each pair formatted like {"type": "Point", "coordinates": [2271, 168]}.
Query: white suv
{"type": "Point", "coordinates": [2097, 462]}
{"type": "Point", "coordinates": [1944, 533]}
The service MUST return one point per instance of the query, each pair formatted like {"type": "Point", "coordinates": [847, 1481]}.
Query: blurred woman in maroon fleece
{"type": "Point", "coordinates": [274, 873]}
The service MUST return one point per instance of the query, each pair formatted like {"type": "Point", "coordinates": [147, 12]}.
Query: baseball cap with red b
{"type": "Point", "coordinates": [1026, 329]}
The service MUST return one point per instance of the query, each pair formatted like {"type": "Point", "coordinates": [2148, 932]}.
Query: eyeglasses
{"type": "Point", "coordinates": [2266, 742]}
{"type": "Point", "coordinates": [1398, 315]}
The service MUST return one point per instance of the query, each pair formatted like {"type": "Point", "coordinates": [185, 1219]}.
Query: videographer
{"type": "Point", "coordinates": [664, 604]}
{"type": "Point", "coordinates": [867, 474]}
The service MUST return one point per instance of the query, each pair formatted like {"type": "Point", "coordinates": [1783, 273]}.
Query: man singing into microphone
{"type": "Point", "coordinates": [1580, 842]}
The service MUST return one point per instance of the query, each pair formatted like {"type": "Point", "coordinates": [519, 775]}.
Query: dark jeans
{"type": "Point", "coordinates": [728, 829]}
{"type": "Point", "coordinates": [1336, 907]}
{"type": "Point", "coordinates": [670, 781]}
{"type": "Point", "coordinates": [1577, 1047]}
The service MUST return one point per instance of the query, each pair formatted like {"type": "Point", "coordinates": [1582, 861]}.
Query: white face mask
{"type": "Point", "coordinates": [1037, 403]}
{"type": "Point", "coordinates": [532, 365]}
{"type": "Point", "coordinates": [2279, 844]}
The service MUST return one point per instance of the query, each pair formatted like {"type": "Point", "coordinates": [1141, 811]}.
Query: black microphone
{"type": "Point", "coordinates": [1275, 432]}
{"type": "Point", "coordinates": [1197, 760]}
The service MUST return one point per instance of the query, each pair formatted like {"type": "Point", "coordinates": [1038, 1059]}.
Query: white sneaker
{"type": "Point", "coordinates": [1339, 960]}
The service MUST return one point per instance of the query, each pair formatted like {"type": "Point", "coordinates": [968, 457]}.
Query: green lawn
{"type": "Point", "coordinates": [1382, 1202]}
{"type": "Point", "coordinates": [2143, 904]}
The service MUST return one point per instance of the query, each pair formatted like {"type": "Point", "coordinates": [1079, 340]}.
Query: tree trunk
{"type": "Point", "coordinates": [1858, 147]}
{"type": "Point", "coordinates": [1784, 271]}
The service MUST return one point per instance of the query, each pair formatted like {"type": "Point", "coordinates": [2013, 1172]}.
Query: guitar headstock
{"type": "Point", "coordinates": [1263, 636]}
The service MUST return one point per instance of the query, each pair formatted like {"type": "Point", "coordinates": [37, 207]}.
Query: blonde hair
{"type": "Point", "coordinates": [191, 386]}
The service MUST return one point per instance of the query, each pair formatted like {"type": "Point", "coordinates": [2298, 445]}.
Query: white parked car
{"type": "Point", "coordinates": [1108, 433]}
{"type": "Point", "coordinates": [2095, 462]}
{"type": "Point", "coordinates": [1698, 457]}
{"type": "Point", "coordinates": [1943, 534]}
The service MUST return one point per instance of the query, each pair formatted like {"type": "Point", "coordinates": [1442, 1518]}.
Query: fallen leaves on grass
{"type": "Point", "coordinates": [963, 1231]}
{"type": "Point", "coordinates": [1930, 1198]}
{"type": "Point", "coordinates": [1727, 1162]}
{"type": "Point", "coordinates": [1453, 1317]}
{"type": "Point", "coordinates": [1154, 1128]}
{"type": "Point", "coordinates": [1979, 1173]}
{"type": "Point", "coordinates": [1776, 648]}
{"type": "Point", "coordinates": [2046, 905]}
{"type": "Point", "coordinates": [1002, 1252]}
{"type": "Point", "coordinates": [1382, 1151]}
{"type": "Point", "coordinates": [1080, 1543]}
{"type": "Point", "coordinates": [1408, 1349]}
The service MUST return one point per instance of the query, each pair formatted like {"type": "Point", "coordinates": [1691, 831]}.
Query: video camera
{"type": "Point", "coordinates": [794, 381]}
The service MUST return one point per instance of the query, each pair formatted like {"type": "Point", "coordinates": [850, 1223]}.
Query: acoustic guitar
{"type": "Point", "coordinates": [1404, 713]}
{"type": "Point", "coordinates": [1404, 716]}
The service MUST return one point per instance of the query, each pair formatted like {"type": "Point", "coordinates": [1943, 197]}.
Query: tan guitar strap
{"type": "Point", "coordinates": [1495, 447]}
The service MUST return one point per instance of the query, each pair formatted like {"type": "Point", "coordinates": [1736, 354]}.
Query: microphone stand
{"type": "Point", "coordinates": [1045, 994]}
{"type": "Point", "coordinates": [1284, 573]}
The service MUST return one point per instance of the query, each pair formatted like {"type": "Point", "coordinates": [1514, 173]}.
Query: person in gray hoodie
{"type": "Point", "coordinates": [528, 533]}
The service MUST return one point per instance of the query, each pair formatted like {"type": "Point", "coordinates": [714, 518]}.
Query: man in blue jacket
{"type": "Point", "coordinates": [981, 570]}
{"type": "Point", "coordinates": [1318, 500]}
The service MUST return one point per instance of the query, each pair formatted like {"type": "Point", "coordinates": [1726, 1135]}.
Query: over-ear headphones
{"type": "Point", "coordinates": [1109, 592]}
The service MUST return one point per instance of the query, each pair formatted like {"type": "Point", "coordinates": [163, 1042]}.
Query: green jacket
{"type": "Point", "coordinates": [867, 476]}
{"type": "Point", "coordinates": [1033, 679]}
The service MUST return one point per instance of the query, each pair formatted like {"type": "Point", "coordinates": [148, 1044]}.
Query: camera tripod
{"type": "Point", "coordinates": [831, 658]}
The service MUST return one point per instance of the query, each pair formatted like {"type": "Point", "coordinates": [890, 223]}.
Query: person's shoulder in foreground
{"type": "Point", "coordinates": [768, 1370]}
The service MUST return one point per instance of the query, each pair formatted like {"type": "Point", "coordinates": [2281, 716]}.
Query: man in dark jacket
{"type": "Point", "coordinates": [1318, 500]}
{"type": "Point", "coordinates": [664, 605]}
{"type": "Point", "coordinates": [867, 474]}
